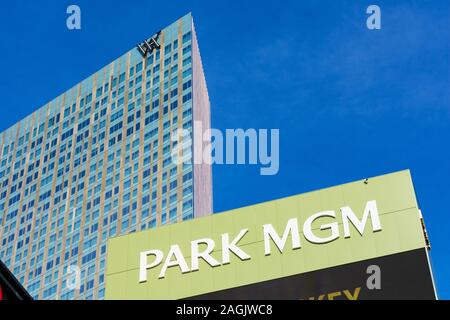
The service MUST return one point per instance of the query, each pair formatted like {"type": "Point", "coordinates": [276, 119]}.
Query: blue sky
{"type": "Point", "coordinates": [350, 103]}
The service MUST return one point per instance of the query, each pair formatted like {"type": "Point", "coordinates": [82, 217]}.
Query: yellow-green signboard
{"type": "Point", "coordinates": [271, 246]}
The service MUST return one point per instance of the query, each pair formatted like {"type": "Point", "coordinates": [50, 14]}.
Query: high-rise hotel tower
{"type": "Point", "coordinates": [96, 162]}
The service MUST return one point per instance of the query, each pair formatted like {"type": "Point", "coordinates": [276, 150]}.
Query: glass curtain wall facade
{"type": "Point", "coordinates": [96, 162]}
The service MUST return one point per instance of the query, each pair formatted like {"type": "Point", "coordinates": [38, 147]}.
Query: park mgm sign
{"type": "Point", "coordinates": [203, 248]}
{"type": "Point", "coordinates": [292, 248]}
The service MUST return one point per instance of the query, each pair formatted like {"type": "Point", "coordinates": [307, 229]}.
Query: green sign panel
{"type": "Point", "coordinates": [351, 223]}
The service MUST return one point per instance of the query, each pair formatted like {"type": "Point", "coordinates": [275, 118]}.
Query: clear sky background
{"type": "Point", "coordinates": [350, 103]}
